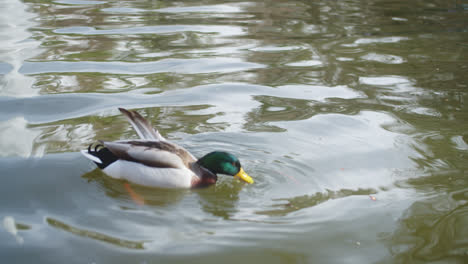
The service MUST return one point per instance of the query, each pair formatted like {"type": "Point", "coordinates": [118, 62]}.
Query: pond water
{"type": "Point", "coordinates": [349, 115]}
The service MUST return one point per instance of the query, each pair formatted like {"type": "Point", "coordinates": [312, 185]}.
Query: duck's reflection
{"type": "Point", "coordinates": [222, 199]}
{"type": "Point", "coordinates": [219, 200]}
{"type": "Point", "coordinates": [139, 195]}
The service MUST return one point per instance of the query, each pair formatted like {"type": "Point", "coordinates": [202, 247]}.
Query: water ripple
{"type": "Point", "coordinates": [162, 29]}
{"type": "Point", "coordinates": [5, 68]}
{"type": "Point", "coordinates": [222, 8]}
{"type": "Point", "coordinates": [79, 2]}
{"type": "Point", "coordinates": [383, 58]}
{"type": "Point", "coordinates": [190, 66]}
{"type": "Point", "coordinates": [365, 41]}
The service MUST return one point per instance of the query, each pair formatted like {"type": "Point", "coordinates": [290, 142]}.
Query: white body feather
{"type": "Point", "coordinates": [150, 176]}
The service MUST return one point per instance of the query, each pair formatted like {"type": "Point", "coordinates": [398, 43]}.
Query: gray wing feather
{"type": "Point", "coordinates": [151, 153]}
{"type": "Point", "coordinates": [141, 125]}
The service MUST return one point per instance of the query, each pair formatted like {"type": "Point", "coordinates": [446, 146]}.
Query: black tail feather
{"type": "Point", "coordinates": [102, 153]}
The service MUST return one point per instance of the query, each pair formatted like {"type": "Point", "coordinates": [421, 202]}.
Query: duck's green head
{"type": "Point", "coordinates": [224, 163]}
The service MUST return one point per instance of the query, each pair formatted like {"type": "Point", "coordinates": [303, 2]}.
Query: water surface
{"type": "Point", "coordinates": [349, 115]}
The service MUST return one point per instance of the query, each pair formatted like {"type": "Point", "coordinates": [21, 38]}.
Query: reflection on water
{"type": "Point", "coordinates": [16, 139]}
{"type": "Point", "coordinates": [289, 205]}
{"type": "Point", "coordinates": [433, 229]}
{"type": "Point", "coordinates": [350, 116]}
{"type": "Point", "coordinates": [95, 235]}
{"type": "Point", "coordinates": [17, 46]}
{"type": "Point", "coordinates": [12, 227]}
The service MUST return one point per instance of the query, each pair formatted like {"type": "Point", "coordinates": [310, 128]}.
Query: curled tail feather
{"type": "Point", "coordinates": [99, 155]}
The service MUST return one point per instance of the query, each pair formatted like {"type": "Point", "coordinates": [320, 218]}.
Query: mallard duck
{"type": "Point", "coordinates": [153, 161]}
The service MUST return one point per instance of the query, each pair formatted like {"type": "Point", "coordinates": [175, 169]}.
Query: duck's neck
{"type": "Point", "coordinates": [203, 182]}
{"type": "Point", "coordinates": [206, 177]}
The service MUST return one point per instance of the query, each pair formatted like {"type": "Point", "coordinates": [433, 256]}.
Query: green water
{"type": "Point", "coordinates": [351, 116]}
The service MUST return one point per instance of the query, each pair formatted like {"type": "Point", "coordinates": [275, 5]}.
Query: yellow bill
{"type": "Point", "coordinates": [243, 176]}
